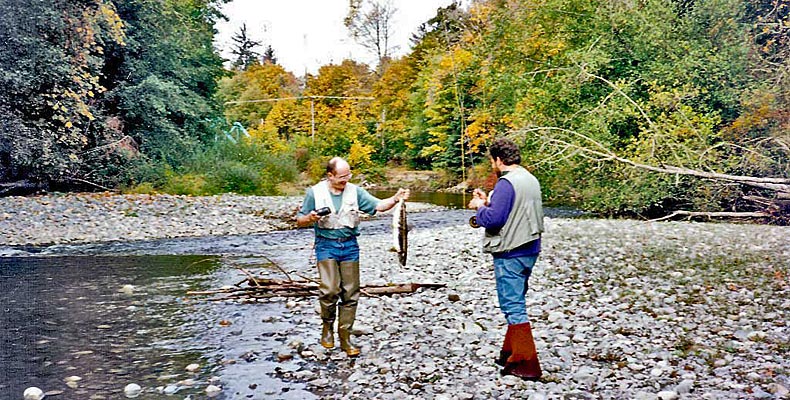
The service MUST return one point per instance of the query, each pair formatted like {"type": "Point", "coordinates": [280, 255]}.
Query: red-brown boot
{"type": "Point", "coordinates": [507, 348]}
{"type": "Point", "coordinates": [523, 362]}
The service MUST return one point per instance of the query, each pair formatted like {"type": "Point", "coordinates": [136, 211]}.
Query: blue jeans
{"type": "Point", "coordinates": [512, 282]}
{"type": "Point", "coordinates": [339, 251]}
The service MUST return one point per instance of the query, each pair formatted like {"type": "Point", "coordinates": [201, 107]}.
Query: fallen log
{"type": "Point", "coordinates": [262, 288]}
{"type": "Point", "coordinates": [399, 288]}
{"type": "Point", "coordinates": [710, 215]}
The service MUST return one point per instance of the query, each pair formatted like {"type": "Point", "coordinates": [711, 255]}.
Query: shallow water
{"type": "Point", "coordinates": [66, 316]}
{"type": "Point", "coordinates": [444, 199]}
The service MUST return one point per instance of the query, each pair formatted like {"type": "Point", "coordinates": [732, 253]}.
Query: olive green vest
{"type": "Point", "coordinates": [525, 222]}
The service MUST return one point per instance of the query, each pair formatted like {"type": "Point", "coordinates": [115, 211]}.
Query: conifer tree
{"type": "Point", "coordinates": [244, 49]}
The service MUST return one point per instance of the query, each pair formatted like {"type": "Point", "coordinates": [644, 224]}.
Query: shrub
{"type": "Point", "coordinates": [187, 184]}
{"type": "Point", "coordinates": [316, 167]}
{"type": "Point", "coordinates": [237, 177]}
{"type": "Point", "coordinates": [142, 188]}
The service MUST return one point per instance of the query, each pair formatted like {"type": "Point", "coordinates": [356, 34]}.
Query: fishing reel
{"type": "Point", "coordinates": [323, 211]}
{"type": "Point", "coordinates": [473, 222]}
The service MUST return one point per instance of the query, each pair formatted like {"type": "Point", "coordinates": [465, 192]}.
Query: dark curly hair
{"type": "Point", "coordinates": [506, 150]}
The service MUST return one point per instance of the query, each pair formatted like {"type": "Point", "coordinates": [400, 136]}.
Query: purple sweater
{"type": "Point", "coordinates": [494, 216]}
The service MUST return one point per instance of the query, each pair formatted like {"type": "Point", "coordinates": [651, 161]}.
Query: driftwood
{"type": "Point", "coordinates": [262, 288]}
{"type": "Point", "coordinates": [22, 187]}
{"type": "Point", "coordinates": [720, 214]}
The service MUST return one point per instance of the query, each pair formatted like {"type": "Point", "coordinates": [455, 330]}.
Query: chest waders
{"type": "Point", "coordinates": [339, 281]}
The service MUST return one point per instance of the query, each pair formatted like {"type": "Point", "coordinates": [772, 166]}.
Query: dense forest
{"type": "Point", "coordinates": [633, 107]}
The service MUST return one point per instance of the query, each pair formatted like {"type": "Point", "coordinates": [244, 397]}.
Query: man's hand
{"type": "Point", "coordinates": [388, 203]}
{"type": "Point", "coordinates": [402, 194]}
{"type": "Point", "coordinates": [476, 203]}
{"type": "Point", "coordinates": [308, 219]}
{"type": "Point", "coordinates": [479, 199]}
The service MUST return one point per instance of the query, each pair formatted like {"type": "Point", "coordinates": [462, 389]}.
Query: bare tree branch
{"type": "Point", "coordinates": [372, 28]}
{"type": "Point", "coordinates": [602, 153]}
{"type": "Point", "coordinates": [690, 214]}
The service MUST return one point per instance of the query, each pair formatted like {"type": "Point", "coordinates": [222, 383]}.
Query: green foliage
{"type": "Point", "coordinates": [234, 176]}
{"type": "Point", "coordinates": [51, 57]}
{"type": "Point", "coordinates": [335, 138]}
{"type": "Point", "coordinates": [151, 107]}
{"type": "Point", "coordinates": [143, 188]}
{"type": "Point", "coordinates": [246, 168]}
{"type": "Point", "coordinates": [316, 167]}
{"type": "Point", "coordinates": [100, 88]}
{"type": "Point", "coordinates": [187, 184]}
{"type": "Point", "coordinates": [648, 83]}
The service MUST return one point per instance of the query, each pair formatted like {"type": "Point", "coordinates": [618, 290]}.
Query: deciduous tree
{"type": "Point", "coordinates": [370, 24]}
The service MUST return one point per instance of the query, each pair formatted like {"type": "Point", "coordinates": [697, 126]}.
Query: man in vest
{"type": "Point", "coordinates": [513, 220]}
{"type": "Point", "coordinates": [336, 248]}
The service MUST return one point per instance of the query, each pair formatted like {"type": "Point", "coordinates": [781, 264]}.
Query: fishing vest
{"type": "Point", "coordinates": [525, 222]}
{"type": "Point", "coordinates": [347, 216]}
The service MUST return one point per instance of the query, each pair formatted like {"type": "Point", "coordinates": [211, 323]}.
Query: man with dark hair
{"type": "Point", "coordinates": [336, 248]}
{"type": "Point", "coordinates": [513, 220]}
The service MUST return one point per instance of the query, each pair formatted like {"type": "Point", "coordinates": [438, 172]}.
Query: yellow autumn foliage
{"type": "Point", "coordinates": [359, 155]}
{"type": "Point", "coordinates": [481, 131]}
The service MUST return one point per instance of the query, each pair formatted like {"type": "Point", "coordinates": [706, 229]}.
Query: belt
{"type": "Point", "coordinates": [340, 240]}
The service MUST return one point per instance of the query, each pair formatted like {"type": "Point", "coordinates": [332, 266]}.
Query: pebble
{"type": "Point", "coordinates": [127, 289]}
{"type": "Point", "coordinates": [213, 391]}
{"type": "Point", "coordinates": [685, 386]}
{"type": "Point", "coordinates": [667, 395]}
{"type": "Point", "coordinates": [99, 217]}
{"type": "Point", "coordinates": [192, 367]}
{"type": "Point", "coordinates": [171, 389]}
{"type": "Point", "coordinates": [33, 393]}
{"type": "Point", "coordinates": [132, 390]}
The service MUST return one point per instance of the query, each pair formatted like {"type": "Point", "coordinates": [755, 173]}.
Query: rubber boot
{"type": "Point", "coordinates": [327, 326]}
{"type": "Point", "coordinates": [507, 348]}
{"type": "Point", "coordinates": [347, 311]}
{"type": "Point", "coordinates": [327, 334]}
{"type": "Point", "coordinates": [345, 324]}
{"type": "Point", "coordinates": [328, 289]}
{"type": "Point", "coordinates": [523, 362]}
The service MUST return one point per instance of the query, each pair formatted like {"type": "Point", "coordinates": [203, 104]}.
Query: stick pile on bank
{"type": "Point", "coordinates": [263, 288]}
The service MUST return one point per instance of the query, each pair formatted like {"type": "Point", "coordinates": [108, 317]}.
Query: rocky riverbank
{"type": "Point", "coordinates": [621, 309]}
{"type": "Point", "coordinates": [100, 217]}
{"type": "Point", "coordinates": [104, 217]}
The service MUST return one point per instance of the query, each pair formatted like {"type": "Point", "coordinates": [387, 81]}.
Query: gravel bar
{"type": "Point", "coordinates": [621, 309]}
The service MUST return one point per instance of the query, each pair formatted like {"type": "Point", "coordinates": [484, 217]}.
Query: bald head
{"type": "Point", "coordinates": [337, 164]}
